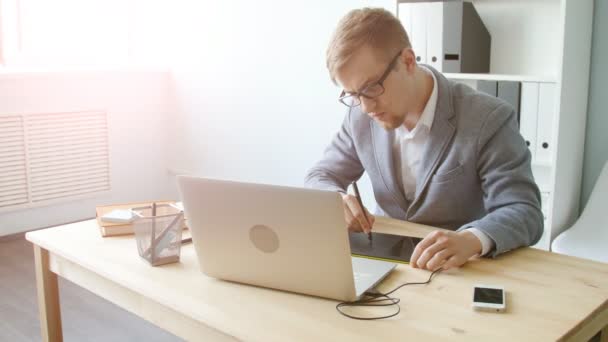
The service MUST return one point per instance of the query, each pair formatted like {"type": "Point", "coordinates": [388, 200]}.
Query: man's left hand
{"type": "Point", "coordinates": [445, 249]}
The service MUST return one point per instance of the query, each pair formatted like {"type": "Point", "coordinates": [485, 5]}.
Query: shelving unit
{"type": "Point", "coordinates": [544, 44]}
{"type": "Point", "coordinates": [501, 77]}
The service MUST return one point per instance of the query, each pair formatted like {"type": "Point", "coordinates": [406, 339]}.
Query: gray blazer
{"type": "Point", "coordinates": [475, 170]}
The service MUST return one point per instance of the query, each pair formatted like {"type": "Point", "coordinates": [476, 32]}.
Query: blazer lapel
{"type": "Point", "coordinates": [440, 136]}
{"type": "Point", "coordinates": [383, 150]}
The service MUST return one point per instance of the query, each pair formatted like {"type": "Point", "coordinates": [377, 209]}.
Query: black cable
{"type": "Point", "coordinates": [373, 299]}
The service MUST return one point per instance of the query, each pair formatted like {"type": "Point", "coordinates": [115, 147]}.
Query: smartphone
{"type": "Point", "coordinates": [489, 298]}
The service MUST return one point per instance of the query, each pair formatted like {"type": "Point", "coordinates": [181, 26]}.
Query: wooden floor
{"type": "Point", "coordinates": [85, 316]}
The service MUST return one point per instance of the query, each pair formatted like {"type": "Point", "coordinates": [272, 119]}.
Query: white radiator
{"type": "Point", "coordinates": [51, 157]}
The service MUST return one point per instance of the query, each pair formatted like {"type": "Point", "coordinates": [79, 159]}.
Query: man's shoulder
{"type": "Point", "coordinates": [480, 115]}
{"type": "Point", "coordinates": [465, 98]}
{"type": "Point", "coordinates": [472, 106]}
{"type": "Point", "coordinates": [357, 120]}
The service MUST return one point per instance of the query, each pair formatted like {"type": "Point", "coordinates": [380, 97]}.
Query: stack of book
{"type": "Point", "coordinates": [108, 228]}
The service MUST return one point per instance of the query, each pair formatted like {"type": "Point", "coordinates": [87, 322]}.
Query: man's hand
{"type": "Point", "coordinates": [445, 249]}
{"type": "Point", "coordinates": [355, 219]}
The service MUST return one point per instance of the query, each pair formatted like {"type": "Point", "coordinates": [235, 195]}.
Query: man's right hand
{"type": "Point", "coordinates": [355, 219]}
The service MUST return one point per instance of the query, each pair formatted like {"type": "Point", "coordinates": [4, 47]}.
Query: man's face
{"type": "Point", "coordinates": [364, 69]}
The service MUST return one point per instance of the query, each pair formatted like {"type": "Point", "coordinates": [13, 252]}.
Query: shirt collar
{"type": "Point", "coordinates": [428, 113]}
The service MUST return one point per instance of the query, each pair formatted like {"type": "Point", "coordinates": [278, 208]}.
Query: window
{"type": "Point", "coordinates": [79, 33]}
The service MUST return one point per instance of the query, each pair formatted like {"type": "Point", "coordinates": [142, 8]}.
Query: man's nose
{"type": "Point", "coordinates": [367, 105]}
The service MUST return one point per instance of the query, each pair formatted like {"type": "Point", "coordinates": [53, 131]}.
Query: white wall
{"type": "Point", "coordinates": [255, 102]}
{"type": "Point", "coordinates": [137, 104]}
{"type": "Point", "coordinates": [248, 98]}
{"type": "Point", "coordinates": [531, 44]}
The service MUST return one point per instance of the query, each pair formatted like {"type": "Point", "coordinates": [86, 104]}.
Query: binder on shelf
{"type": "Point", "coordinates": [509, 91]}
{"type": "Point", "coordinates": [404, 13]}
{"type": "Point", "coordinates": [529, 115]}
{"type": "Point", "coordinates": [546, 117]}
{"type": "Point", "coordinates": [469, 82]}
{"type": "Point", "coordinates": [418, 35]}
{"type": "Point", "coordinates": [488, 87]}
{"type": "Point", "coordinates": [435, 42]}
{"type": "Point", "coordinates": [542, 177]}
{"type": "Point", "coordinates": [450, 36]}
{"type": "Point", "coordinates": [476, 42]}
{"type": "Point", "coordinates": [545, 197]}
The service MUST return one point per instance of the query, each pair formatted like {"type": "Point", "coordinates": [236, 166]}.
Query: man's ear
{"type": "Point", "coordinates": [408, 59]}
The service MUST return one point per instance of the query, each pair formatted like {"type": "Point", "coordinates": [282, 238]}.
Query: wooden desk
{"type": "Point", "coordinates": [549, 296]}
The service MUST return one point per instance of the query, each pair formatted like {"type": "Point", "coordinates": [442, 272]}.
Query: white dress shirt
{"type": "Point", "coordinates": [407, 153]}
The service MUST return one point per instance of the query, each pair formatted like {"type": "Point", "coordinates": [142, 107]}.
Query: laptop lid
{"type": "Point", "coordinates": [286, 238]}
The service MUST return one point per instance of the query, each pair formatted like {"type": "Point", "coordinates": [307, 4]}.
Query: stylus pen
{"type": "Point", "coordinates": [369, 235]}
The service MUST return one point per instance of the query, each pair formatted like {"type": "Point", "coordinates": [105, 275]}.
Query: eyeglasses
{"type": "Point", "coordinates": [371, 91]}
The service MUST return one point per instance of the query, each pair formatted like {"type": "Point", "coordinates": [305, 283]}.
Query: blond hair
{"type": "Point", "coordinates": [373, 27]}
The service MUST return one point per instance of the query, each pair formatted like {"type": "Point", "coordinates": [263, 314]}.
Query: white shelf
{"type": "Point", "coordinates": [546, 42]}
{"type": "Point", "coordinates": [500, 77]}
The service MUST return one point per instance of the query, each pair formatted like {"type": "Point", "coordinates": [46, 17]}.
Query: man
{"type": "Point", "coordinates": [437, 152]}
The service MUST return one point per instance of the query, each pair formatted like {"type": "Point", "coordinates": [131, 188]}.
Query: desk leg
{"type": "Point", "coordinates": [48, 297]}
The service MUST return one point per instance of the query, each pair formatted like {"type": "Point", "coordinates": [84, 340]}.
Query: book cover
{"type": "Point", "coordinates": [114, 229]}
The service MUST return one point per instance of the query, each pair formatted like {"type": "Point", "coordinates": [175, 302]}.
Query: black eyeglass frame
{"type": "Point", "coordinates": [356, 96]}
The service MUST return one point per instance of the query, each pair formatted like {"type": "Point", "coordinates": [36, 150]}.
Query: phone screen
{"type": "Point", "coordinates": [486, 295]}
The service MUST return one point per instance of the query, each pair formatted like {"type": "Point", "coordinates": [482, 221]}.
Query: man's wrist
{"type": "Point", "coordinates": [487, 244]}
{"type": "Point", "coordinates": [473, 241]}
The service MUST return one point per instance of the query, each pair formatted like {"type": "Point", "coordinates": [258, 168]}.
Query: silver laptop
{"type": "Point", "coordinates": [285, 238]}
